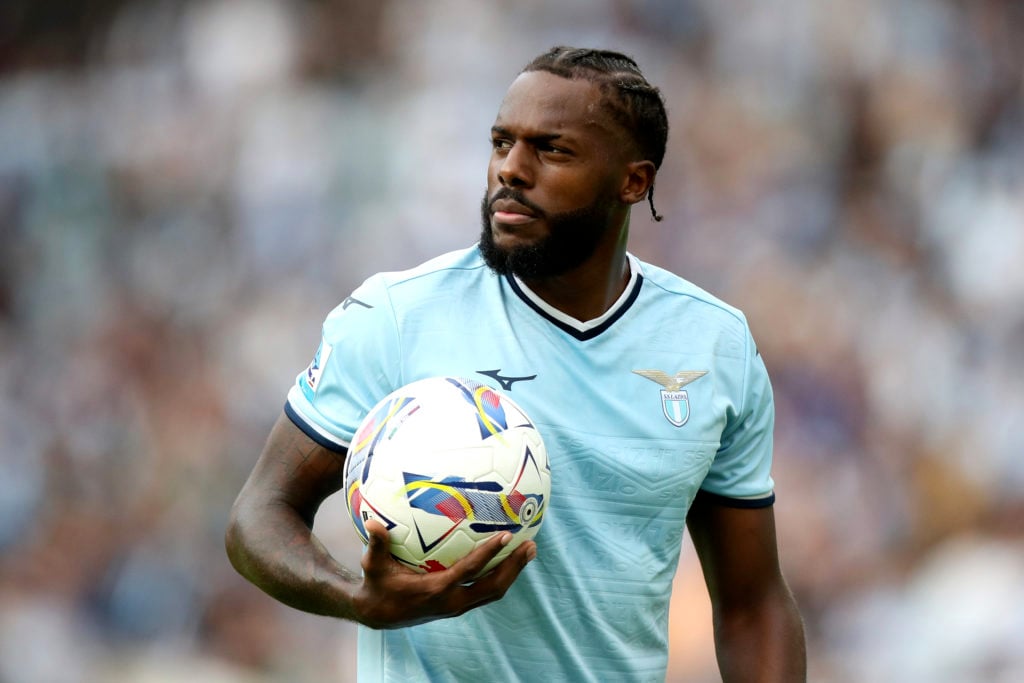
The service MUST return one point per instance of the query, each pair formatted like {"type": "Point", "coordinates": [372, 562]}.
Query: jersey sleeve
{"type": "Point", "coordinates": [741, 473]}
{"type": "Point", "coordinates": [356, 364]}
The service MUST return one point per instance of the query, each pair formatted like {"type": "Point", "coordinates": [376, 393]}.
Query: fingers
{"type": "Point", "coordinates": [469, 568]}
{"type": "Point", "coordinates": [513, 564]}
{"type": "Point", "coordinates": [472, 564]}
{"type": "Point", "coordinates": [378, 559]}
{"type": "Point", "coordinates": [376, 532]}
{"type": "Point", "coordinates": [392, 595]}
{"type": "Point", "coordinates": [493, 585]}
{"type": "Point", "coordinates": [378, 555]}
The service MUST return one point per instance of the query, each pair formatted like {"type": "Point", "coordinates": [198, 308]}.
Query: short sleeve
{"type": "Point", "coordinates": [356, 364]}
{"type": "Point", "coordinates": [741, 472]}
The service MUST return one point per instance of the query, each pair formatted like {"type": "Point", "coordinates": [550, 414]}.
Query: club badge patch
{"type": "Point", "coordinates": [675, 402]}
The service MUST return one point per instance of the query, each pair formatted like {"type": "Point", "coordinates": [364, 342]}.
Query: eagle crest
{"type": "Point", "coordinates": [672, 382]}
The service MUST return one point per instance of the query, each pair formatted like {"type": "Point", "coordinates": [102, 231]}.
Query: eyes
{"type": "Point", "coordinates": [502, 144]}
{"type": "Point", "coordinates": [499, 144]}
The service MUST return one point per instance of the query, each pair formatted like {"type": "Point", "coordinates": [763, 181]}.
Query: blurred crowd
{"type": "Point", "coordinates": [187, 188]}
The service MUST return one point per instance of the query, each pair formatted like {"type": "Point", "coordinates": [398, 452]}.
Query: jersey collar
{"type": "Point", "coordinates": [584, 329]}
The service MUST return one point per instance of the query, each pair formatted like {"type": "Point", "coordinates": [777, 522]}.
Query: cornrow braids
{"type": "Point", "coordinates": [630, 99]}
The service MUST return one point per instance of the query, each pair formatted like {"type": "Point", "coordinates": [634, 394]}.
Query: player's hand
{"type": "Point", "coordinates": [392, 595]}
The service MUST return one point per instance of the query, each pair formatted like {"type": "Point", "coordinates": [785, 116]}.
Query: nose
{"type": "Point", "coordinates": [514, 166]}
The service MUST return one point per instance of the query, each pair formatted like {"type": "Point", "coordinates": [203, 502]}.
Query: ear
{"type": "Point", "coordinates": [637, 182]}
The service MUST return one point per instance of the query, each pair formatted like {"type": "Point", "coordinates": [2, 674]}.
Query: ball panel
{"type": "Point", "coordinates": [445, 463]}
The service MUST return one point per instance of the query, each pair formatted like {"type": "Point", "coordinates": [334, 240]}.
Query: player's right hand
{"type": "Point", "coordinates": [392, 595]}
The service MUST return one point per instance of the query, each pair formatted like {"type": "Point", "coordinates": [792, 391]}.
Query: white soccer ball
{"type": "Point", "coordinates": [445, 463]}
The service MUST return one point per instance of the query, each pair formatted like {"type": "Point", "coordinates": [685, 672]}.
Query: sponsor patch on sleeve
{"type": "Point", "coordinates": [310, 381]}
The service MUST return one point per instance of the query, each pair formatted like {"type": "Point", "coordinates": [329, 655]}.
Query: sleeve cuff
{"type": "Point", "coordinates": [312, 431]}
{"type": "Point", "coordinates": [745, 503]}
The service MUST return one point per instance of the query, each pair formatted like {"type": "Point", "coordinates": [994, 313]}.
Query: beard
{"type": "Point", "coordinates": [573, 237]}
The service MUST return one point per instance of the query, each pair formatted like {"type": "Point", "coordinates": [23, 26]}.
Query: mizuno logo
{"type": "Point", "coordinates": [351, 300]}
{"type": "Point", "coordinates": [672, 382]}
{"type": "Point", "coordinates": [505, 382]}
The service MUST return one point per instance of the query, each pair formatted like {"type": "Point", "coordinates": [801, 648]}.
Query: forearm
{"type": "Point", "coordinates": [274, 548]}
{"type": "Point", "coordinates": [762, 643]}
{"type": "Point", "coordinates": [269, 540]}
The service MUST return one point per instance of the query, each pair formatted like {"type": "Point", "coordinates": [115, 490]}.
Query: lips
{"type": "Point", "coordinates": [510, 212]}
{"type": "Point", "coordinates": [511, 206]}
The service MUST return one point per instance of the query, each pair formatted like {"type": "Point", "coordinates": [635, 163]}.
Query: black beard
{"type": "Point", "coordinates": [572, 238]}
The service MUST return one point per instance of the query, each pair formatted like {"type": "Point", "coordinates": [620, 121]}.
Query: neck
{"type": "Point", "coordinates": [588, 291]}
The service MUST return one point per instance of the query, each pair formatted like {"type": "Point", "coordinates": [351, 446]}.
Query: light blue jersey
{"type": "Point", "coordinates": [663, 396]}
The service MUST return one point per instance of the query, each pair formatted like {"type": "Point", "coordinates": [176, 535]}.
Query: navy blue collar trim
{"type": "Point", "coordinates": [582, 335]}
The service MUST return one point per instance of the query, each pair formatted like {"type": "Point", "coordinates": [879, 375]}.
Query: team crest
{"type": "Point", "coordinates": [675, 402]}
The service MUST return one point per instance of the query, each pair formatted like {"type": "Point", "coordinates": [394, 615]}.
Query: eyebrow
{"type": "Point", "coordinates": [532, 139]}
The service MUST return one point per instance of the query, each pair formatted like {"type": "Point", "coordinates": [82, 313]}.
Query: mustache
{"type": "Point", "coordinates": [516, 196]}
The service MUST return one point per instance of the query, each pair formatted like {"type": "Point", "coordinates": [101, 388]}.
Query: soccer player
{"type": "Point", "coordinates": [654, 404]}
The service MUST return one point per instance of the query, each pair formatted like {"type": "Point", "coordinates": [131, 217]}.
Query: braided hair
{"type": "Point", "coordinates": [632, 102]}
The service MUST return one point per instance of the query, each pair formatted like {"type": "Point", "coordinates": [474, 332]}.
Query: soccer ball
{"type": "Point", "coordinates": [445, 463]}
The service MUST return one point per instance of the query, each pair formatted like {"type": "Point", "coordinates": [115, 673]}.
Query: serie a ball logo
{"type": "Point", "coordinates": [444, 463]}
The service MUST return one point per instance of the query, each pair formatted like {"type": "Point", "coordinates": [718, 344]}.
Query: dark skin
{"type": "Point", "coordinates": [552, 141]}
{"type": "Point", "coordinates": [759, 633]}
{"type": "Point", "coordinates": [270, 542]}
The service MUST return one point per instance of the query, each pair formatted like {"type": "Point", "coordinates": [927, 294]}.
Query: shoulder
{"type": "Point", "coordinates": [460, 264]}
{"type": "Point", "coordinates": [675, 293]}
{"type": "Point", "coordinates": [381, 291]}
{"type": "Point", "coordinates": [672, 285]}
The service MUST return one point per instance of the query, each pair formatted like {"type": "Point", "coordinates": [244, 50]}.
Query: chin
{"type": "Point", "coordinates": [504, 243]}
{"type": "Point", "coordinates": [518, 232]}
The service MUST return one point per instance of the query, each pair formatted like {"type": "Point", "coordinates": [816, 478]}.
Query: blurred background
{"type": "Point", "coordinates": [187, 188]}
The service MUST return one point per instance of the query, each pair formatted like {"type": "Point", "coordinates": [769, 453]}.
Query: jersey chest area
{"type": "Point", "coordinates": [628, 422]}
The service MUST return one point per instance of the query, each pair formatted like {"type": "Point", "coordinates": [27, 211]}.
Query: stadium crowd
{"type": "Point", "coordinates": [187, 188]}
